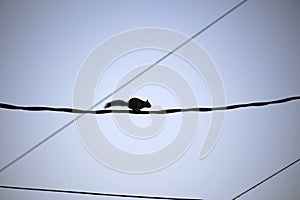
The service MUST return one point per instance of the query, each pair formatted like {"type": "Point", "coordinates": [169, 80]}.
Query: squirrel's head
{"type": "Point", "coordinates": [147, 104]}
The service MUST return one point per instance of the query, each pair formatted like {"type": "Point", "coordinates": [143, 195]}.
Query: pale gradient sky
{"type": "Point", "coordinates": [256, 50]}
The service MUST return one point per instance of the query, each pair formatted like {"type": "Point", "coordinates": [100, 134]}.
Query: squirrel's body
{"type": "Point", "coordinates": [135, 104]}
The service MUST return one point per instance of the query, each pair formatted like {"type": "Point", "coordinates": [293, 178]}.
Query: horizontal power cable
{"type": "Point", "coordinates": [165, 111]}
{"type": "Point", "coordinates": [94, 193]}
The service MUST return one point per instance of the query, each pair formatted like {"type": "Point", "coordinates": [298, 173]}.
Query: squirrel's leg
{"type": "Point", "coordinates": [135, 108]}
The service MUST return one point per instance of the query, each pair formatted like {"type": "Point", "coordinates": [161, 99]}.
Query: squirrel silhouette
{"type": "Point", "coordinates": [135, 104]}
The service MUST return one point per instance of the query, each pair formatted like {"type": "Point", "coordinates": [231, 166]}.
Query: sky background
{"type": "Point", "coordinates": [44, 43]}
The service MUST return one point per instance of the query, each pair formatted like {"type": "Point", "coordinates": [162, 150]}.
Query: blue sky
{"type": "Point", "coordinates": [44, 45]}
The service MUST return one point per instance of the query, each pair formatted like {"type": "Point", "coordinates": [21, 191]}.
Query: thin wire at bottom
{"type": "Point", "coordinates": [94, 193]}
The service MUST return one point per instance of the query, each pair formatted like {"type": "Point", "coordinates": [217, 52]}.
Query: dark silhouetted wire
{"type": "Point", "coordinates": [125, 84]}
{"type": "Point", "coordinates": [94, 193]}
{"type": "Point", "coordinates": [248, 190]}
{"type": "Point", "coordinates": [166, 111]}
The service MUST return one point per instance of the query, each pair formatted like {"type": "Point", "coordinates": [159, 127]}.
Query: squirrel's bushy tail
{"type": "Point", "coordinates": [116, 103]}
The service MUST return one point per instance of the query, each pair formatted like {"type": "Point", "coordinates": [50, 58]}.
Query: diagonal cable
{"type": "Point", "coordinates": [124, 85]}
{"type": "Point", "coordinates": [266, 179]}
